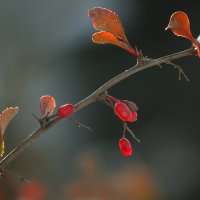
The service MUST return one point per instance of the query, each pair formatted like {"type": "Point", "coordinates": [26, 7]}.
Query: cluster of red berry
{"type": "Point", "coordinates": [124, 109]}
{"type": "Point", "coordinates": [127, 112]}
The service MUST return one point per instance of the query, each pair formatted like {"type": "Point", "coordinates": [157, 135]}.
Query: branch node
{"type": "Point", "coordinates": [143, 59]}
{"type": "Point", "coordinates": [40, 121]}
{"type": "Point", "coordinates": [107, 99]}
{"type": "Point", "coordinates": [43, 121]}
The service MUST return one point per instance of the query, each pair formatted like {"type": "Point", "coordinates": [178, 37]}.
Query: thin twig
{"type": "Point", "coordinates": [180, 71]}
{"type": "Point", "coordinates": [80, 125]}
{"type": "Point", "coordinates": [126, 127]}
{"type": "Point", "coordinates": [91, 99]}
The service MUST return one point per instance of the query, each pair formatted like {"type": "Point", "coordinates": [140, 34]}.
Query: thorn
{"type": "Point", "coordinates": [160, 66]}
{"type": "Point", "coordinates": [40, 121]}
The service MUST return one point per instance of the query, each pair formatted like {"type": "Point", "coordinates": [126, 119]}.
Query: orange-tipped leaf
{"type": "Point", "coordinates": [104, 37]}
{"type": "Point", "coordinates": [47, 105]}
{"type": "Point", "coordinates": [107, 20]}
{"type": "Point", "coordinates": [179, 24]}
{"type": "Point", "coordinates": [110, 27]}
{"type": "Point", "coordinates": [5, 118]}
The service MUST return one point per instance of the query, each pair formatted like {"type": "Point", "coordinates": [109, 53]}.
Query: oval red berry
{"type": "Point", "coordinates": [122, 111]}
{"type": "Point", "coordinates": [125, 147]}
{"type": "Point", "coordinates": [65, 110]}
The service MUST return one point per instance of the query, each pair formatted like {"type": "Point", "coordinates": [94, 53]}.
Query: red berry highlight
{"type": "Point", "coordinates": [122, 111]}
{"type": "Point", "coordinates": [125, 147]}
{"type": "Point", "coordinates": [65, 110]}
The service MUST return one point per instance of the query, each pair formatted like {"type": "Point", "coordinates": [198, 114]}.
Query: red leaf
{"type": "Point", "coordinates": [5, 118]}
{"type": "Point", "coordinates": [107, 20]}
{"type": "Point", "coordinates": [47, 105]}
{"type": "Point", "coordinates": [180, 25]}
{"type": "Point", "coordinates": [110, 27]}
{"type": "Point", "coordinates": [108, 38]}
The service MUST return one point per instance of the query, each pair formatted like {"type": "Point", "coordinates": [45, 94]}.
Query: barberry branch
{"type": "Point", "coordinates": [53, 120]}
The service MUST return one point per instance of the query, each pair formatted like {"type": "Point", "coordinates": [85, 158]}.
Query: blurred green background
{"type": "Point", "coordinates": [46, 48]}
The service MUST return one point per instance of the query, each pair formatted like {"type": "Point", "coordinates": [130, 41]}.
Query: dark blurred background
{"type": "Point", "coordinates": [46, 48]}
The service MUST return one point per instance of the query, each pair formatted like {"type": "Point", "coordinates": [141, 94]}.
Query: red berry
{"type": "Point", "coordinates": [65, 110]}
{"type": "Point", "coordinates": [122, 111]}
{"type": "Point", "coordinates": [125, 147]}
{"type": "Point", "coordinates": [133, 117]}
